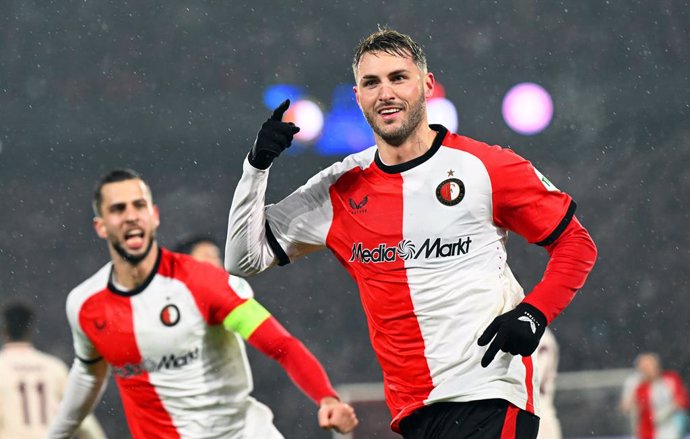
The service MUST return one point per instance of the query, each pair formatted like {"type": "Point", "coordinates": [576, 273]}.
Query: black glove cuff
{"type": "Point", "coordinates": [259, 161]}
{"type": "Point", "coordinates": [531, 311]}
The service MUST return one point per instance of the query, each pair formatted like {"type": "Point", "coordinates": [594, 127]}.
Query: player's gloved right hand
{"type": "Point", "coordinates": [518, 332]}
{"type": "Point", "coordinates": [274, 136]}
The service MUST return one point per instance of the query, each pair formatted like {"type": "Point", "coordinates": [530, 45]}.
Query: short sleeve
{"type": "Point", "coordinates": [524, 200]}
{"type": "Point", "coordinates": [299, 224]}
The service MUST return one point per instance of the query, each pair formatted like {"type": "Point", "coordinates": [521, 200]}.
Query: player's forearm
{"type": "Point", "coordinates": [246, 249]}
{"type": "Point", "coordinates": [85, 386]}
{"type": "Point", "coordinates": [90, 428]}
{"type": "Point", "coordinates": [572, 258]}
{"type": "Point", "coordinates": [301, 366]}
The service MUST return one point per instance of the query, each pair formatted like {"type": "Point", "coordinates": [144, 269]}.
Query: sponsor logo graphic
{"type": "Point", "coordinates": [408, 250]}
{"type": "Point", "coordinates": [359, 207]}
{"type": "Point", "coordinates": [450, 191]}
{"type": "Point", "coordinates": [531, 323]}
{"type": "Point", "coordinates": [166, 362]}
{"type": "Point", "coordinates": [170, 315]}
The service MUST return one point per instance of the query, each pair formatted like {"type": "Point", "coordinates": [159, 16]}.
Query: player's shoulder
{"type": "Point", "coordinates": [487, 153]}
{"type": "Point", "coordinates": [356, 161]}
{"type": "Point", "coordinates": [92, 285]}
{"type": "Point", "coordinates": [188, 270]}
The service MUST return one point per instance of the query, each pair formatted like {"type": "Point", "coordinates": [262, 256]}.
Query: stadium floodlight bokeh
{"type": "Point", "coordinates": [527, 108]}
{"type": "Point", "coordinates": [441, 110]}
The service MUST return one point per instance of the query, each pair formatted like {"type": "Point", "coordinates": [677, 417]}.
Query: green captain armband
{"type": "Point", "coordinates": [246, 318]}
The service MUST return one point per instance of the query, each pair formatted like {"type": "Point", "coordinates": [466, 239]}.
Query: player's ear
{"type": "Point", "coordinates": [156, 216]}
{"type": "Point", "coordinates": [99, 227]}
{"type": "Point", "coordinates": [429, 82]}
{"type": "Point", "coordinates": [354, 89]}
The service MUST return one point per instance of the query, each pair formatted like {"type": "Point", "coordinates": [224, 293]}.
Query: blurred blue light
{"type": "Point", "coordinates": [345, 129]}
{"type": "Point", "coordinates": [275, 94]}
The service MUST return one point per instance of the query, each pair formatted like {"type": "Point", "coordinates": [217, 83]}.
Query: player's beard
{"type": "Point", "coordinates": [399, 135]}
{"type": "Point", "coordinates": [133, 260]}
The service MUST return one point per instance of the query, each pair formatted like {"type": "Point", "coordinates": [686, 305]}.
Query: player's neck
{"type": "Point", "coordinates": [416, 145]}
{"type": "Point", "coordinates": [131, 276]}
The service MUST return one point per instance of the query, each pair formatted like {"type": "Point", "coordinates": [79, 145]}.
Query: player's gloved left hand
{"type": "Point", "coordinates": [274, 136]}
{"type": "Point", "coordinates": [518, 332]}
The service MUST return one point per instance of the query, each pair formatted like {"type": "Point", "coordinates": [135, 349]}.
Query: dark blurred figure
{"type": "Point", "coordinates": [32, 383]}
{"type": "Point", "coordinates": [202, 248]}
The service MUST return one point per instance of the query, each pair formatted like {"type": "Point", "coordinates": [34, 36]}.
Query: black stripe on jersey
{"type": "Point", "coordinates": [140, 288]}
{"type": "Point", "coordinates": [94, 361]}
{"type": "Point", "coordinates": [402, 167]}
{"type": "Point", "coordinates": [561, 226]}
{"type": "Point", "coordinates": [275, 246]}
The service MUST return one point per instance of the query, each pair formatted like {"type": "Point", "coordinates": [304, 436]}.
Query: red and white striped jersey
{"type": "Point", "coordinates": [661, 407]}
{"type": "Point", "coordinates": [425, 242]}
{"type": "Point", "coordinates": [180, 373]}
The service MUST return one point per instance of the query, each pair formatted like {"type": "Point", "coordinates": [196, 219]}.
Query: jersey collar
{"type": "Point", "coordinates": [402, 167]}
{"type": "Point", "coordinates": [112, 287]}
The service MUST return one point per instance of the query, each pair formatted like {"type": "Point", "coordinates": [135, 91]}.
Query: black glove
{"type": "Point", "coordinates": [274, 136]}
{"type": "Point", "coordinates": [517, 331]}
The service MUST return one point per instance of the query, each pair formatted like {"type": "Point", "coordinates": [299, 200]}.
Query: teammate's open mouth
{"type": "Point", "coordinates": [134, 238]}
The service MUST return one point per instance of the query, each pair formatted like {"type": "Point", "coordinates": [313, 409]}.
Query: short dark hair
{"type": "Point", "coordinates": [391, 42]}
{"type": "Point", "coordinates": [114, 176]}
{"type": "Point", "coordinates": [188, 244]}
{"type": "Point", "coordinates": [18, 318]}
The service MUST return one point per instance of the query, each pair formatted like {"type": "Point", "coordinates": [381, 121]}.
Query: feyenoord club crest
{"type": "Point", "coordinates": [450, 192]}
{"type": "Point", "coordinates": [170, 315]}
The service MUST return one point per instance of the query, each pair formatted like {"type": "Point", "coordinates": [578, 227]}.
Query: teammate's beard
{"type": "Point", "coordinates": [397, 137]}
{"type": "Point", "coordinates": [132, 259]}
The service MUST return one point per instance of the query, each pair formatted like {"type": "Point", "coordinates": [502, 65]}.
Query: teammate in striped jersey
{"type": "Point", "coordinates": [32, 383]}
{"type": "Point", "coordinates": [170, 328]}
{"type": "Point", "coordinates": [420, 221]}
{"type": "Point", "coordinates": [659, 402]}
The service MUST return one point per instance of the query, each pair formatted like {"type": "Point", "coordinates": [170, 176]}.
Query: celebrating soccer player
{"type": "Point", "coordinates": [170, 327]}
{"type": "Point", "coordinates": [420, 221]}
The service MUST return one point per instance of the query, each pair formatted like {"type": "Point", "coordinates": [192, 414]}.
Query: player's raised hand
{"type": "Point", "coordinates": [518, 332]}
{"type": "Point", "coordinates": [337, 415]}
{"type": "Point", "coordinates": [274, 136]}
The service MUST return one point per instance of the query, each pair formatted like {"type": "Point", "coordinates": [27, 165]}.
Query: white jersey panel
{"type": "Point", "coordinates": [459, 265]}
{"type": "Point", "coordinates": [83, 348]}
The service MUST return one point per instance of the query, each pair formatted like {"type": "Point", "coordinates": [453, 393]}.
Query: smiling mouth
{"type": "Point", "coordinates": [389, 111]}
